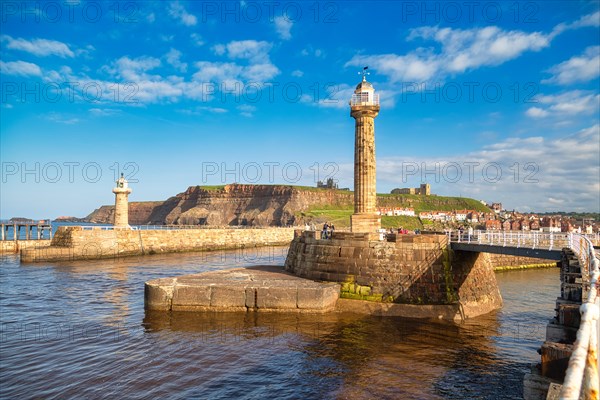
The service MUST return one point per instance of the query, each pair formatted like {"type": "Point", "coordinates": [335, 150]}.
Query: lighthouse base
{"type": "Point", "coordinates": [417, 276]}
{"type": "Point", "coordinates": [366, 223]}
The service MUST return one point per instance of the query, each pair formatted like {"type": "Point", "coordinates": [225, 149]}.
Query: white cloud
{"type": "Point", "coordinates": [283, 26]}
{"type": "Point", "coordinates": [216, 71]}
{"type": "Point", "coordinates": [174, 58]}
{"type": "Point", "coordinates": [197, 40]}
{"type": "Point", "coordinates": [256, 53]}
{"type": "Point", "coordinates": [310, 51]}
{"type": "Point", "coordinates": [246, 110]}
{"type": "Point", "coordinates": [104, 112]}
{"type": "Point", "coordinates": [297, 73]}
{"type": "Point", "coordinates": [570, 103]}
{"type": "Point", "coordinates": [260, 72]}
{"type": "Point", "coordinates": [20, 68]}
{"type": "Point", "coordinates": [587, 21]}
{"type": "Point", "coordinates": [62, 119]}
{"type": "Point", "coordinates": [200, 110]}
{"type": "Point", "coordinates": [137, 84]}
{"type": "Point", "coordinates": [336, 96]}
{"type": "Point", "coordinates": [86, 52]}
{"type": "Point", "coordinates": [133, 69]}
{"type": "Point", "coordinates": [177, 11]}
{"type": "Point", "coordinates": [460, 50]}
{"type": "Point", "coordinates": [456, 51]}
{"type": "Point", "coordinates": [252, 50]}
{"type": "Point", "coordinates": [581, 68]}
{"type": "Point", "coordinates": [219, 49]}
{"type": "Point", "coordinates": [38, 47]}
{"type": "Point", "coordinates": [536, 112]}
{"type": "Point", "coordinates": [548, 174]}
{"type": "Point", "coordinates": [150, 91]}
{"type": "Point", "coordinates": [231, 74]}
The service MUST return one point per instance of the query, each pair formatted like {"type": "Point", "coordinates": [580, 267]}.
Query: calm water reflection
{"type": "Point", "coordinates": [79, 329]}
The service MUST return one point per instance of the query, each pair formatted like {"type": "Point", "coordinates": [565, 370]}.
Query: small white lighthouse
{"type": "Point", "coordinates": [121, 202]}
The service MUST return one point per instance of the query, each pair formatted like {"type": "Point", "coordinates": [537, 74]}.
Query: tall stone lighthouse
{"type": "Point", "coordinates": [121, 192]}
{"type": "Point", "coordinates": [364, 107]}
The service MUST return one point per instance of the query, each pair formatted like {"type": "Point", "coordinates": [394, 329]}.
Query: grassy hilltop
{"type": "Point", "coordinates": [340, 215]}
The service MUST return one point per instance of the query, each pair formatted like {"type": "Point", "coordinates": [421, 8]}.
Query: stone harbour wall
{"type": "Point", "coordinates": [413, 269]}
{"type": "Point", "coordinates": [77, 243]}
{"type": "Point", "coordinates": [502, 262]}
{"type": "Point", "coordinates": [15, 246]}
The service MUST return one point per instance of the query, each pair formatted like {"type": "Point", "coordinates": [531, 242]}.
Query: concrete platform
{"type": "Point", "coordinates": [260, 288]}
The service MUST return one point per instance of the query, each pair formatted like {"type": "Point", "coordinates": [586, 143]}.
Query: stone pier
{"type": "Point", "coordinates": [406, 269]}
{"type": "Point", "coordinates": [90, 243]}
{"type": "Point", "coordinates": [15, 246]}
{"type": "Point", "coordinates": [261, 288]}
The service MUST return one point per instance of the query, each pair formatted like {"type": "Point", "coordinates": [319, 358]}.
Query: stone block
{"type": "Point", "coordinates": [319, 299]}
{"type": "Point", "coordinates": [191, 296]}
{"type": "Point", "coordinates": [276, 298]}
{"type": "Point", "coordinates": [347, 252]}
{"type": "Point", "coordinates": [227, 297]}
{"type": "Point", "coordinates": [158, 294]}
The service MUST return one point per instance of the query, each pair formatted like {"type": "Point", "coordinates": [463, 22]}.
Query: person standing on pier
{"type": "Point", "coordinates": [324, 232]}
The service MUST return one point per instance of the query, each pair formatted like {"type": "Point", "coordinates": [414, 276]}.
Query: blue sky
{"type": "Point", "coordinates": [498, 101]}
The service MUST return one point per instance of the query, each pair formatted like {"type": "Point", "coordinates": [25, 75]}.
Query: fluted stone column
{"type": "Point", "coordinates": [364, 107]}
{"type": "Point", "coordinates": [365, 193]}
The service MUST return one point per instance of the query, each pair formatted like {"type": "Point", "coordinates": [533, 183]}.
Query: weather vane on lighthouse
{"type": "Point", "coordinates": [365, 73]}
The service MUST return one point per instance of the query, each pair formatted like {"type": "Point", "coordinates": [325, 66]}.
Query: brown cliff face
{"type": "Point", "coordinates": [139, 213]}
{"type": "Point", "coordinates": [235, 204]}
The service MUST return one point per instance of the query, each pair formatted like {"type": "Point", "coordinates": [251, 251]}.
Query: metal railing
{"type": "Point", "coordinates": [364, 99]}
{"type": "Point", "coordinates": [581, 378]}
{"type": "Point", "coordinates": [26, 222]}
{"type": "Point", "coordinates": [529, 239]}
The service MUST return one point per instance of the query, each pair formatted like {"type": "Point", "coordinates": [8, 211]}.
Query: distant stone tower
{"type": "Point", "coordinates": [121, 204]}
{"type": "Point", "coordinates": [364, 107]}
